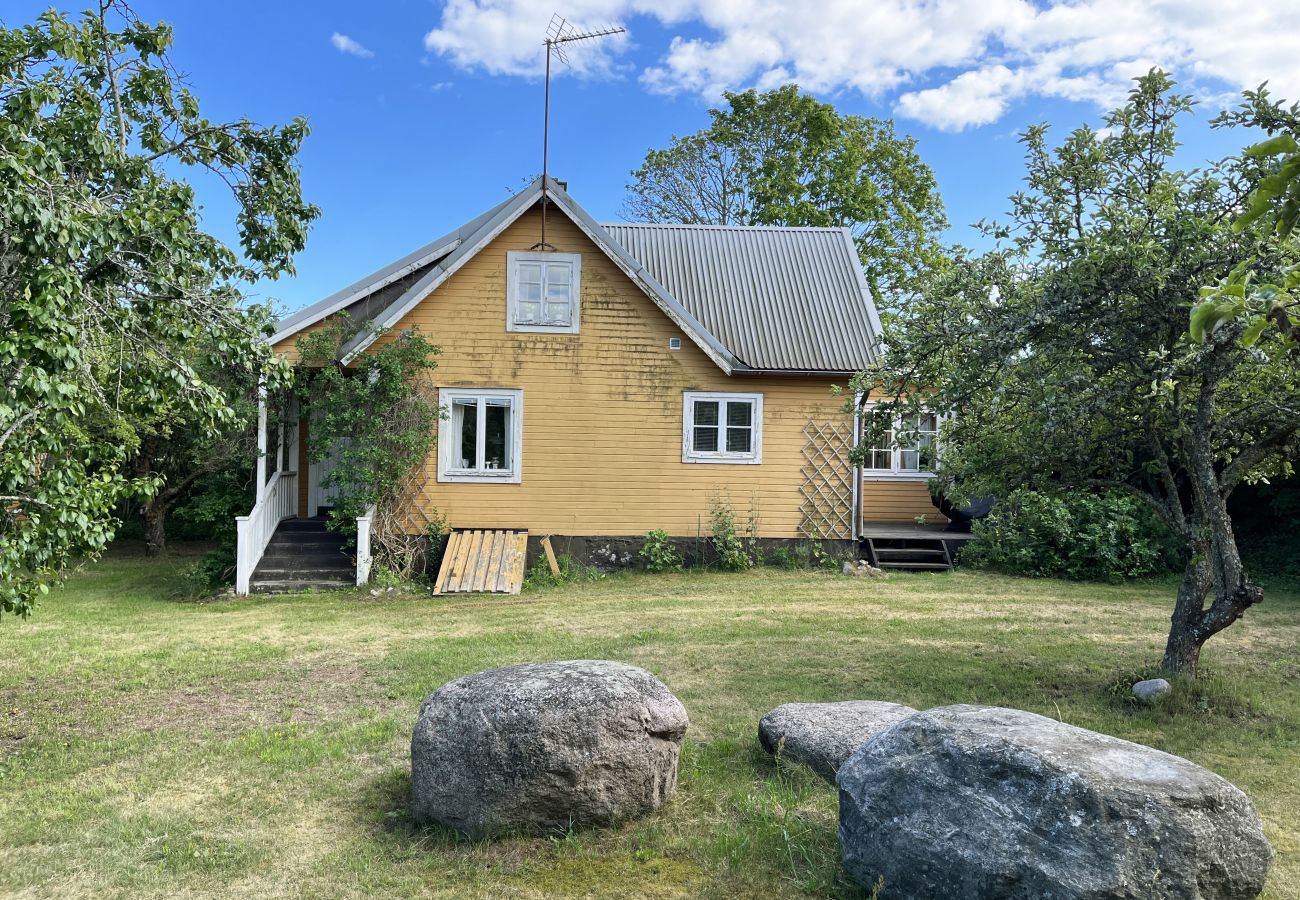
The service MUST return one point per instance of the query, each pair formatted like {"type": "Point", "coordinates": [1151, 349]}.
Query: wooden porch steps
{"type": "Point", "coordinates": [304, 555]}
{"type": "Point", "coordinates": [906, 548]}
{"type": "Point", "coordinates": [483, 560]}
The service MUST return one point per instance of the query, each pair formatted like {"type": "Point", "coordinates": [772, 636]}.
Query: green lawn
{"type": "Point", "coordinates": [260, 746]}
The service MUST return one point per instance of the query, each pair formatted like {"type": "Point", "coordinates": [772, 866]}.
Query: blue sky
{"type": "Point", "coordinates": [426, 113]}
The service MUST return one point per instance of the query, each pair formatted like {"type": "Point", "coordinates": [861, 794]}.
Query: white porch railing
{"type": "Point", "coordinates": [363, 546]}
{"type": "Point", "coordinates": [253, 531]}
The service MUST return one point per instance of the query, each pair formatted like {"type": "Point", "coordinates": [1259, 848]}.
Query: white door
{"type": "Point", "coordinates": [318, 496]}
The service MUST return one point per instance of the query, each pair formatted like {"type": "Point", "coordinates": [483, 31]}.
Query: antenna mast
{"type": "Point", "coordinates": [558, 34]}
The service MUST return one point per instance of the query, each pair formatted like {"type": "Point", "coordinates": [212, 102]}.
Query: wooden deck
{"type": "Point", "coordinates": [894, 531]}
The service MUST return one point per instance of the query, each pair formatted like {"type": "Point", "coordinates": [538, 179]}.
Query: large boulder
{"type": "Point", "coordinates": [545, 745]}
{"type": "Point", "coordinates": [823, 735]}
{"type": "Point", "coordinates": [969, 801]}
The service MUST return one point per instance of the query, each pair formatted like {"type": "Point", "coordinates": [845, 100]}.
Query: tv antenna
{"type": "Point", "coordinates": [559, 34]}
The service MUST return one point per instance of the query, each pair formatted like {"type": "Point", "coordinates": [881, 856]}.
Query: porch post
{"type": "Point", "coordinates": [261, 442]}
{"type": "Point", "coordinates": [857, 470]}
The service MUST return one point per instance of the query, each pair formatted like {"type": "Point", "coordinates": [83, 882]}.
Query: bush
{"type": "Point", "coordinates": [213, 572]}
{"type": "Point", "coordinates": [658, 553]}
{"type": "Point", "coordinates": [728, 546]}
{"type": "Point", "coordinates": [1080, 536]}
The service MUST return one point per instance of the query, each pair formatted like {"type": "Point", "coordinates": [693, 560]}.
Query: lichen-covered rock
{"type": "Point", "coordinates": [823, 735]}
{"type": "Point", "coordinates": [1151, 690]}
{"type": "Point", "coordinates": [968, 801]}
{"type": "Point", "coordinates": [545, 745]}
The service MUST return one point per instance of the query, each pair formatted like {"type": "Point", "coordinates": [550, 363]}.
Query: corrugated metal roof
{"type": "Point", "coordinates": [761, 298]}
{"type": "Point", "coordinates": [776, 297]}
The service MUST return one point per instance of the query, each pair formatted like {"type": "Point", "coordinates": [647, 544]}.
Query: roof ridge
{"type": "Point", "coordinates": [835, 229]}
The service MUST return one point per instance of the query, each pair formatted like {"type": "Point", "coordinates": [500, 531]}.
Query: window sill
{"type": "Point", "coordinates": [478, 478]}
{"type": "Point", "coordinates": [724, 460]}
{"type": "Point", "coordinates": [515, 328]}
{"type": "Point", "coordinates": [870, 475]}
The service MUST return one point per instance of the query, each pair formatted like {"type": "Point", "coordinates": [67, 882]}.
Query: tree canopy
{"type": "Point", "coordinates": [781, 157]}
{"type": "Point", "coordinates": [107, 274]}
{"type": "Point", "coordinates": [1062, 358]}
{"type": "Point", "coordinates": [1275, 200]}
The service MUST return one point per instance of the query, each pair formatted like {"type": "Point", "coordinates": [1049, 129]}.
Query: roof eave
{"type": "Point", "coordinates": [359, 290]}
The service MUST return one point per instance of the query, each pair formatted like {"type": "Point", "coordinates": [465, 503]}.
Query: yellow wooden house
{"type": "Point", "coordinates": [614, 378]}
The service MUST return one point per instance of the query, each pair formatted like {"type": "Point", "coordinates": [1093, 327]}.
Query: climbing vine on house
{"type": "Point", "coordinates": [381, 412]}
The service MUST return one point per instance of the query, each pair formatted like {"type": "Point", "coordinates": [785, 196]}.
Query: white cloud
{"type": "Point", "coordinates": [345, 44]}
{"type": "Point", "coordinates": [952, 64]}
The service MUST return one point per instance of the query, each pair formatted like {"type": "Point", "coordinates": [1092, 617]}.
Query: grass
{"type": "Point", "coordinates": [259, 746]}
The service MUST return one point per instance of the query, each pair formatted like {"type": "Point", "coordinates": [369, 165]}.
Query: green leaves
{"type": "Point", "coordinates": [1208, 315]}
{"type": "Point", "coordinates": [1282, 143]}
{"type": "Point", "coordinates": [119, 315]}
{"type": "Point", "coordinates": [781, 157]}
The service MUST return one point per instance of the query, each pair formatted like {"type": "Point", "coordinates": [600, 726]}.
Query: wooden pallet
{"type": "Point", "coordinates": [479, 560]}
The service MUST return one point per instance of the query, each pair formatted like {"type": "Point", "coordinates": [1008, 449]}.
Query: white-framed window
{"type": "Point", "coordinates": [722, 428]}
{"type": "Point", "coordinates": [542, 291]}
{"type": "Point", "coordinates": [481, 437]}
{"type": "Point", "coordinates": [899, 445]}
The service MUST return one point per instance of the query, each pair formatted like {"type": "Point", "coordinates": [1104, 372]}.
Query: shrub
{"type": "Point", "coordinates": [728, 547]}
{"type": "Point", "coordinates": [213, 571]}
{"type": "Point", "coordinates": [658, 553]}
{"type": "Point", "coordinates": [1080, 536]}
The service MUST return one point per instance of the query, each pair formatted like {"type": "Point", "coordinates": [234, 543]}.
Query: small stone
{"type": "Point", "coordinates": [823, 735]}
{"type": "Point", "coordinates": [848, 568]}
{"type": "Point", "coordinates": [1151, 690]}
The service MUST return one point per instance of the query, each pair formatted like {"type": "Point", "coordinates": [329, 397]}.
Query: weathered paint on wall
{"type": "Point", "coordinates": [602, 409]}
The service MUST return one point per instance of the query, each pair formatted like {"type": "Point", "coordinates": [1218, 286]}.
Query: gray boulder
{"type": "Point", "coordinates": [969, 801]}
{"type": "Point", "coordinates": [1151, 690]}
{"type": "Point", "coordinates": [823, 735]}
{"type": "Point", "coordinates": [545, 745]}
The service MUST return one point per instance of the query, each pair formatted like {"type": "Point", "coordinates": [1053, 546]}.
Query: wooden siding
{"type": "Point", "coordinates": [602, 409]}
{"type": "Point", "coordinates": [897, 501]}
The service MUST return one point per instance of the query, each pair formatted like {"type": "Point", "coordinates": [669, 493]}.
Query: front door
{"type": "Point", "coordinates": [317, 495]}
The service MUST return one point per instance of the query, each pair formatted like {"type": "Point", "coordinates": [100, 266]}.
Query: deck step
{"type": "Point", "coordinates": [278, 570]}
{"type": "Point", "coordinates": [296, 547]}
{"type": "Point", "coordinates": [303, 555]}
{"type": "Point", "coordinates": [296, 524]}
{"type": "Point", "coordinates": [901, 552]}
{"type": "Point", "coordinates": [294, 585]}
{"type": "Point", "coordinates": [903, 564]}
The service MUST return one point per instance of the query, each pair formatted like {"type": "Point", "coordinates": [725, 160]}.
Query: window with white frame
{"type": "Point", "coordinates": [480, 438]}
{"type": "Point", "coordinates": [543, 291]}
{"type": "Point", "coordinates": [722, 428]}
{"type": "Point", "coordinates": [897, 445]}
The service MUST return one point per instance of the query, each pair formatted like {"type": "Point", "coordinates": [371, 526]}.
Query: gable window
{"type": "Point", "coordinates": [899, 446]}
{"type": "Point", "coordinates": [480, 439]}
{"type": "Point", "coordinates": [722, 428]}
{"type": "Point", "coordinates": [542, 292]}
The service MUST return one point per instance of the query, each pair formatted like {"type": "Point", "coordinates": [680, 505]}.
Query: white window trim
{"type": "Point", "coordinates": [690, 455]}
{"type": "Point", "coordinates": [513, 259]}
{"type": "Point", "coordinates": [895, 473]}
{"type": "Point", "coordinates": [446, 440]}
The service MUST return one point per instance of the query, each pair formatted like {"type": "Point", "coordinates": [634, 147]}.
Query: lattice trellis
{"type": "Point", "coordinates": [827, 483]}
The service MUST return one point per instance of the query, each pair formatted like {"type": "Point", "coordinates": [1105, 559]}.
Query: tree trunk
{"type": "Point", "coordinates": [1215, 562]}
{"type": "Point", "coordinates": [154, 515]}
{"type": "Point", "coordinates": [1183, 649]}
